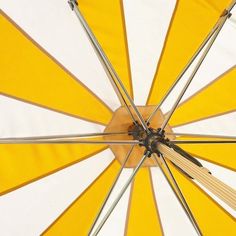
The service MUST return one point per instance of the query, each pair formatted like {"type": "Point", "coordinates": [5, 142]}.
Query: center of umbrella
{"type": "Point", "coordinates": [121, 122]}
{"type": "Point", "coordinates": [149, 141]}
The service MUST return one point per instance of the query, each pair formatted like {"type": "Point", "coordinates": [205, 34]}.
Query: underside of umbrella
{"type": "Point", "coordinates": [118, 117]}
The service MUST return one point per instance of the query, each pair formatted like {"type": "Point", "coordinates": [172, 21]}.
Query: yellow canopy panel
{"type": "Point", "coordinates": [143, 217]}
{"type": "Point", "coordinates": [22, 164]}
{"type": "Point", "coordinates": [106, 19]}
{"type": "Point", "coordinates": [215, 99]}
{"type": "Point", "coordinates": [211, 217]}
{"type": "Point", "coordinates": [78, 217]}
{"type": "Point", "coordinates": [221, 154]}
{"type": "Point", "coordinates": [28, 73]}
{"type": "Point", "coordinates": [182, 41]}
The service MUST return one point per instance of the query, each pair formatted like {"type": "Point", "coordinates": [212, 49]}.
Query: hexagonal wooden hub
{"type": "Point", "coordinates": [121, 121]}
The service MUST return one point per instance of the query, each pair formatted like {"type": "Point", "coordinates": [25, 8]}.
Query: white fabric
{"type": "Point", "coordinates": [31, 209]}
{"type": "Point", "coordinates": [220, 58]}
{"type": "Point", "coordinates": [22, 119]}
{"type": "Point", "coordinates": [117, 219]}
{"type": "Point", "coordinates": [54, 26]}
{"type": "Point", "coordinates": [220, 125]}
{"type": "Point", "coordinates": [225, 175]}
{"type": "Point", "coordinates": [173, 218]}
{"type": "Point", "coordinates": [147, 23]}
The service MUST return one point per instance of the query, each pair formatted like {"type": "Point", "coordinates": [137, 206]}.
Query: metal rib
{"type": "Point", "coordinates": [202, 135]}
{"type": "Point", "coordinates": [87, 135]}
{"type": "Point", "coordinates": [111, 189]}
{"type": "Point", "coordinates": [102, 57]}
{"type": "Point", "coordinates": [208, 47]}
{"type": "Point", "coordinates": [203, 141]}
{"type": "Point", "coordinates": [182, 73]}
{"type": "Point", "coordinates": [120, 194]}
{"type": "Point", "coordinates": [179, 194]}
{"type": "Point", "coordinates": [108, 67]}
{"type": "Point", "coordinates": [189, 63]}
{"type": "Point", "coordinates": [66, 140]}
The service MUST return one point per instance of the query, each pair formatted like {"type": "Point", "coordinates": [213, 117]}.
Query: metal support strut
{"type": "Point", "coordinates": [145, 156]}
{"type": "Point", "coordinates": [177, 192]}
{"type": "Point", "coordinates": [110, 191]}
{"type": "Point", "coordinates": [114, 78]}
{"type": "Point", "coordinates": [213, 34]}
{"type": "Point", "coordinates": [144, 135]}
{"type": "Point", "coordinates": [201, 59]}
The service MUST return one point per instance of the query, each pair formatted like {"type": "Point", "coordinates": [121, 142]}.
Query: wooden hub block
{"type": "Point", "coordinates": [121, 122]}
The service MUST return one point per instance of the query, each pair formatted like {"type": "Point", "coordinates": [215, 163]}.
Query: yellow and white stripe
{"type": "Point", "coordinates": [52, 82]}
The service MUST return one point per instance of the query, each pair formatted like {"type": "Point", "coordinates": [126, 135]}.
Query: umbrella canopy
{"type": "Point", "coordinates": [117, 117]}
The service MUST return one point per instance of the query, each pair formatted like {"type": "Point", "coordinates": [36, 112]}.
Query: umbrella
{"type": "Point", "coordinates": [118, 117]}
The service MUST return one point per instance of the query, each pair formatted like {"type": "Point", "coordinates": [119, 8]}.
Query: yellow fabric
{"type": "Point", "coordinates": [215, 99]}
{"type": "Point", "coordinates": [30, 74]}
{"type": "Point", "coordinates": [191, 23]}
{"type": "Point", "coordinates": [41, 81]}
{"type": "Point", "coordinates": [76, 220]}
{"type": "Point", "coordinates": [143, 218]}
{"type": "Point", "coordinates": [211, 218]}
{"type": "Point", "coordinates": [220, 154]}
{"type": "Point", "coordinates": [106, 19]}
{"type": "Point", "coordinates": [21, 164]}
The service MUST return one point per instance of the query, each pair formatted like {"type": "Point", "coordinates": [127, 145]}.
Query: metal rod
{"type": "Point", "coordinates": [87, 135]}
{"type": "Point", "coordinates": [67, 141]}
{"type": "Point", "coordinates": [203, 141]}
{"type": "Point", "coordinates": [172, 188]}
{"type": "Point", "coordinates": [189, 63]}
{"type": "Point", "coordinates": [108, 67]}
{"type": "Point", "coordinates": [202, 135]}
{"type": "Point", "coordinates": [121, 194]}
{"type": "Point", "coordinates": [179, 193]}
{"type": "Point", "coordinates": [231, 6]}
{"type": "Point", "coordinates": [102, 57]}
{"type": "Point", "coordinates": [205, 52]}
{"type": "Point", "coordinates": [182, 73]}
{"type": "Point", "coordinates": [111, 189]}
